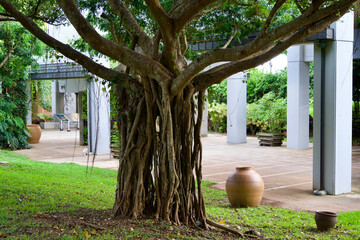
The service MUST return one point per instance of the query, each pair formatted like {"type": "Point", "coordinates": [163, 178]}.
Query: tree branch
{"type": "Point", "coordinates": [187, 11]}
{"type": "Point", "coordinates": [163, 20]}
{"type": "Point", "coordinates": [112, 27]}
{"type": "Point", "coordinates": [217, 74]}
{"type": "Point", "coordinates": [299, 6]}
{"type": "Point", "coordinates": [8, 56]}
{"type": "Point", "coordinates": [68, 51]}
{"type": "Point", "coordinates": [231, 38]}
{"type": "Point", "coordinates": [132, 26]}
{"type": "Point", "coordinates": [272, 13]}
{"type": "Point", "coordinates": [144, 65]}
{"type": "Point", "coordinates": [311, 15]}
{"type": "Point", "coordinates": [36, 8]}
{"type": "Point", "coordinates": [7, 17]}
{"type": "Point", "coordinates": [245, 4]}
{"type": "Point", "coordinates": [208, 10]}
{"type": "Point", "coordinates": [184, 43]}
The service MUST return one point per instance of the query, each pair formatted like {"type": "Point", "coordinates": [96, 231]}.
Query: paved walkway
{"type": "Point", "coordinates": [287, 173]}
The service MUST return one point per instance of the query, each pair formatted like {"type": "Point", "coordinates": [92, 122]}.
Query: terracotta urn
{"type": "Point", "coordinates": [244, 187]}
{"type": "Point", "coordinates": [35, 132]}
{"type": "Point", "coordinates": [325, 220]}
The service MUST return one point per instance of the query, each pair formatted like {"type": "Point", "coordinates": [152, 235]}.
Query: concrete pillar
{"type": "Point", "coordinates": [205, 119]}
{"type": "Point", "coordinates": [333, 109]}
{"type": "Point", "coordinates": [28, 91]}
{"type": "Point", "coordinates": [57, 102]}
{"type": "Point", "coordinates": [98, 118]}
{"type": "Point", "coordinates": [80, 118]}
{"type": "Point", "coordinates": [298, 99]}
{"type": "Point", "coordinates": [236, 108]}
{"type": "Point", "coordinates": [53, 97]}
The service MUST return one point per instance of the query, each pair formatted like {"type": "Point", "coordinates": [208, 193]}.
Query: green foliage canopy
{"type": "Point", "coordinates": [260, 83]}
{"type": "Point", "coordinates": [268, 113]}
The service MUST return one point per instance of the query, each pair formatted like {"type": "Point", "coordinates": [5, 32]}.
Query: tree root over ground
{"type": "Point", "coordinates": [218, 225]}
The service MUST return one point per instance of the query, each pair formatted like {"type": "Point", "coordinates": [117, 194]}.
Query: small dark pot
{"type": "Point", "coordinates": [325, 220]}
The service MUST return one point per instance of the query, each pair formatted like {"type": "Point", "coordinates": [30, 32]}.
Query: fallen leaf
{"type": "Point", "coordinates": [75, 233]}
{"type": "Point", "coordinates": [87, 235]}
{"type": "Point", "coordinates": [56, 227]}
{"type": "Point", "coordinates": [93, 232]}
{"type": "Point", "coordinates": [3, 236]}
{"type": "Point", "coordinates": [81, 218]}
{"type": "Point", "coordinates": [131, 229]}
{"type": "Point", "coordinates": [222, 222]}
{"type": "Point", "coordinates": [235, 210]}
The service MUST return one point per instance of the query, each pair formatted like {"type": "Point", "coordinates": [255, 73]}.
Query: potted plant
{"type": "Point", "coordinates": [46, 121]}
{"type": "Point", "coordinates": [269, 115]}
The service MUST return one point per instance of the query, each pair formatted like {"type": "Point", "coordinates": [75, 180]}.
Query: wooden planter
{"type": "Point", "coordinates": [270, 139]}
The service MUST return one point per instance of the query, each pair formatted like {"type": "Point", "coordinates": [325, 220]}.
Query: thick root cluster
{"type": "Point", "coordinates": [160, 156]}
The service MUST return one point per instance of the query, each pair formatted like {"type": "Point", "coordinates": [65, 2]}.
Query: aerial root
{"type": "Point", "coordinates": [218, 225]}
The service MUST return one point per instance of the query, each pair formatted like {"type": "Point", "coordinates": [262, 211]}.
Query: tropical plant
{"type": "Point", "coordinates": [268, 114]}
{"type": "Point", "coordinates": [160, 154]}
{"type": "Point", "coordinates": [218, 117]}
{"type": "Point", "coordinates": [13, 133]}
{"type": "Point", "coordinates": [18, 49]}
{"type": "Point", "coordinates": [260, 83]}
{"type": "Point", "coordinates": [218, 93]}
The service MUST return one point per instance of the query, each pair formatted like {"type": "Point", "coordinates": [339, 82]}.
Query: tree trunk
{"type": "Point", "coordinates": [160, 155]}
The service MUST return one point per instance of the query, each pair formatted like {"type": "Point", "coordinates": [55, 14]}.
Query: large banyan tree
{"type": "Point", "coordinates": [159, 118]}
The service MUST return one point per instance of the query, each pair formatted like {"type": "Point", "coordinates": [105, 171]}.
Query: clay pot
{"type": "Point", "coordinates": [244, 187]}
{"type": "Point", "coordinates": [325, 220]}
{"type": "Point", "coordinates": [35, 132]}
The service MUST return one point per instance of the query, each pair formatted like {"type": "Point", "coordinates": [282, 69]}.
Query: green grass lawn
{"type": "Point", "coordinates": [40, 200]}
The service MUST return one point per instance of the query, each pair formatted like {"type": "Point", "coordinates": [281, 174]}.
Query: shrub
{"type": "Point", "coordinates": [260, 83]}
{"type": "Point", "coordinates": [46, 117]}
{"type": "Point", "coordinates": [13, 131]}
{"type": "Point", "coordinates": [217, 120]}
{"type": "Point", "coordinates": [267, 114]}
{"type": "Point", "coordinates": [218, 92]}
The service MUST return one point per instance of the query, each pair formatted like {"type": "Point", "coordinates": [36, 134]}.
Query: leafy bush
{"type": "Point", "coordinates": [267, 114]}
{"type": "Point", "coordinates": [46, 117]}
{"type": "Point", "coordinates": [260, 83]}
{"type": "Point", "coordinates": [13, 131]}
{"type": "Point", "coordinates": [218, 92]}
{"type": "Point", "coordinates": [218, 114]}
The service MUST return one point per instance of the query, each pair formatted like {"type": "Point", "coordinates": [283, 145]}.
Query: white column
{"type": "Point", "coordinates": [236, 108]}
{"type": "Point", "coordinates": [28, 91]}
{"type": "Point", "coordinates": [205, 119]}
{"type": "Point", "coordinates": [297, 99]}
{"type": "Point", "coordinates": [98, 118]}
{"type": "Point", "coordinates": [333, 109]}
{"type": "Point", "coordinates": [53, 97]}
